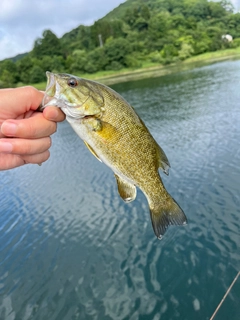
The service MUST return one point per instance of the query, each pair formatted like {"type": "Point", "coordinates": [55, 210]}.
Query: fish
{"type": "Point", "coordinates": [116, 135]}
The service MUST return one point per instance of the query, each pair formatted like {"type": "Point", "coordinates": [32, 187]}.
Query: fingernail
{"type": "Point", "coordinates": [5, 147]}
{"type": "Point", "coordinates": [9, 128]}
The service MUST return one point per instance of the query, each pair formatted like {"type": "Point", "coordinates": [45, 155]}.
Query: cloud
{"type": "Point", "coordinates": [236, 4]}
{"type": "Point", "coordinates": [22, 21]}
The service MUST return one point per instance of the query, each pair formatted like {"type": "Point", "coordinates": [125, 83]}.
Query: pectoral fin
{"type": "Point", "coordinates": [92, 151]}
{"type": "Point", "coordinates": [108, 132]}
{"type": "Point", "coordinates": [126, 190]}
{"type": "Point", "coordinates": [103, 129]}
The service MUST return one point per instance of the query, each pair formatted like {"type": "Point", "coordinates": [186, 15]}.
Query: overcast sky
{"type": "Point", "coordinates": [236, 4]}
{"type": "Point", "coordinates": [22, 21]}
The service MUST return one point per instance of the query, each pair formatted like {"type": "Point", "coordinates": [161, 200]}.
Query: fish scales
{"type": "Point", "coordinates": [116, 135]}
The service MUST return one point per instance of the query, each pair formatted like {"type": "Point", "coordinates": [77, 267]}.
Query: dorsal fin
{"type": "Point", "coordinates": [163, 160]}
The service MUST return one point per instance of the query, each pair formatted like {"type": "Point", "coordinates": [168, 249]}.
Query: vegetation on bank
{"type": "Point", "coordinates": [152, 69]}
{"type": "Point", "coordinates": [135, 35]}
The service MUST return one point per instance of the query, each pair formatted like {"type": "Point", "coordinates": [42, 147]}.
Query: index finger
{"type": "Point", "coordinates": [17, 101]}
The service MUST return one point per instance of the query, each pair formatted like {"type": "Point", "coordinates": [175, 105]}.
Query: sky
{"type": "Point", "coordinates": [23, 21]}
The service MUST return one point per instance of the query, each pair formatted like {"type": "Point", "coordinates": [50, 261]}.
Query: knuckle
{"type": "Point", "coordinates": [27, 148]}
{"type": "Point", "coordinates": [45, 156]}
{"type": "Point", "coordinates": [31, 92]}
{"type": "Point", "coordinates": [32, 130]}
{"type": "Point", "coordinates": [49, 142]}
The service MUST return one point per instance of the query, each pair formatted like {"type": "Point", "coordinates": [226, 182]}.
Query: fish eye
{"type": "Point", "coordinates": [72, 82]}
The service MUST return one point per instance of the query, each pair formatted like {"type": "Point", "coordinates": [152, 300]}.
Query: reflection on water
{"type": "Point", "coordinates": [70, 248]}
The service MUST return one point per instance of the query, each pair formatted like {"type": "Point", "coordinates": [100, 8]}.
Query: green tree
{"type": "Point", "coordinates": [117, 50]}
{"type": "Point", "coordinates": [159, 24]}
{"type": "Point", "coordinates": [133, 60]}
{"type": "Point", "coordinates": [227, 5]}
{"type": "Point", "coordinates": [9, 66]}
{"type": "Point", "coordinates": [197, 9]}
{"type": "Point", "coordinates": [24, 66]}
{"type": "Point", "coordinates": [233, 25]}
{"type": "Point", "coordinates": [216, 10]}
{"type": "Point", "coordinates": [215, 35]}
{"type": "Point", "coordinates": [186, 51]}
{"type": "Point", "coordinates": [7, 79]}
{"type": "Point", "coordinates": [140, 24]}
{"type": "Point", "coordinates": [145, 13]}
{"type": "Point", "coordinates": [106, 29]}
{"type": "Point", "coordinates": [79, 61]}
{"type": "Point", "coordinates": [131, 15]}
{"type": "Point", "coordinates": [55, 63]}
{"type": "Point", "coordinates": [98, 58]}
{"type": "Point", "coordinates": [202, 42]}
{"type": "Point", "coordinates": [178, 21]}
{"type": "Point", "coordinates": [37, 74]}
{"type": "Point", "coordinates": [169, 53]}
{"type": "Point", "coordinates": [158, 28]}
{"type": "Point", "coordinates": [79, 38]}
{"type": "Point", "coordinates": [161, 31]}
{"type": "Point", "coordinates": [48, 45]}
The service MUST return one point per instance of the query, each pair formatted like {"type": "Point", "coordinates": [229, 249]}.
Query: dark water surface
{"type": "Point", "coordinates": [70, 248]}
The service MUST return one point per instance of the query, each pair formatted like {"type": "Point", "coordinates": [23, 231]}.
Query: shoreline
{"type": "Point", "coordinates": [158, 70]}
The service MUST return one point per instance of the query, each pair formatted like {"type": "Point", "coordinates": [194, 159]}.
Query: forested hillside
{"type": "Point", "coordinates": [137, 32]}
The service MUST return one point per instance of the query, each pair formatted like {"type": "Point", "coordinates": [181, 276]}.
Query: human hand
{"type": "Point", "coordinates": [24, 132]}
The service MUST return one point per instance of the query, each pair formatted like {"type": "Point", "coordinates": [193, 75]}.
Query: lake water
{"type": "Point", "coordinates": [70, 248]}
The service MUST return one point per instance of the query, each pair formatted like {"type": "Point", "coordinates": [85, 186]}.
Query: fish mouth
{"type": "Point", "coordinates": [52, 94]}
{"type": "Point", "coordinates": [53, 97]}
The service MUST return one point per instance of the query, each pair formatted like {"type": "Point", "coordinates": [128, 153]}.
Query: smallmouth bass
{"type": "Point", "coordinates": [116, 136]}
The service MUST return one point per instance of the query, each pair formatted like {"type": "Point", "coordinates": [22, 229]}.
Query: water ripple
{"type": "Point", "coordinates": [72, 249]}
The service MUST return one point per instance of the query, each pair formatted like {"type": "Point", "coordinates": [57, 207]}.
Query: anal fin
{"type": "Point", "coordinates": [126, 190]}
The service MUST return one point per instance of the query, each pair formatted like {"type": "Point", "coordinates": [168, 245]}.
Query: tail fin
{"type": "Point", "coordinates": [165, 214]}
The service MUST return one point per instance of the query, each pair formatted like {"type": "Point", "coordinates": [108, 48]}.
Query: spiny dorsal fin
{"type": "Point", "coordinates": [92, 151]}
{"type": "Point", "coordinates": [126, 190]}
